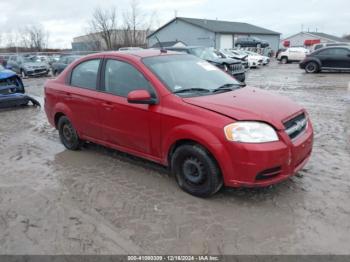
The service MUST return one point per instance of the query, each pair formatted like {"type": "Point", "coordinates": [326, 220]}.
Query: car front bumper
{"type": "Point", "coordinates": [37, 72]}
{"type": "Point", "coordinates": [239, 76]}
{"type": "Point", "coordinates": [261, 165]}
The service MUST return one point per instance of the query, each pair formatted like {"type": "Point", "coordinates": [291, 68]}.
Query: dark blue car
{"type": "Point", "coordinates": [12, 90]}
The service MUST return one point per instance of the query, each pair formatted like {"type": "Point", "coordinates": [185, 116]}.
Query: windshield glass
{"type": "Point", "coordinates": [204, 53]}
{"type": "Point", "coordinates": [185, 72]}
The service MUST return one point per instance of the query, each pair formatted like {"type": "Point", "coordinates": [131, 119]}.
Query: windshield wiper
{"type": "Point", "coordinates": [187, 90]}
{"type": "Point", "coordinates": [227, 87]}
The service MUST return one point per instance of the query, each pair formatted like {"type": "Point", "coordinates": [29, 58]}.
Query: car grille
{"type": "Point", "coordinates": [296, 125]}
{"type": "Point", "coordinates": [236, 68]}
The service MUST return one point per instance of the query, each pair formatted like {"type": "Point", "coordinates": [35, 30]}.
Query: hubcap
{"type": "Point", "coordinates": [193, 171]}
{"type": "Point", "coordinates": [311, 67]}
{"type": "Point", "coordinates": [67, 133]}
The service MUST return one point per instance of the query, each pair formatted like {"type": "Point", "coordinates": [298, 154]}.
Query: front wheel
{"type": "Point", "coordinates": [68, 135]}
{"type": "Point", "coordinates": [23, 74]}
{"type": "Point", "coordinates": [311, 67]}
{"type": "Point", "coordinates": [195, 170]}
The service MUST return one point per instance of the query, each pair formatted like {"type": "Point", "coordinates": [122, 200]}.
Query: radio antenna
{"type": "Point", "coordinates": [162, 50]}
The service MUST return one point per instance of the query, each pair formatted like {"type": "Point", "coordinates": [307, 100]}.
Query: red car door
{"type": "Point", "coordinates": [82, 98]}
{"type": "Point", "coordinates": [134, 127]}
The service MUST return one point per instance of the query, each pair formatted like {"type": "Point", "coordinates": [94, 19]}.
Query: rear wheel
{"type": "Point", "coordinates": [68, 134]}
{"type": "Point", "coordinates": [311, 67]}
{"type": "Point", "coordinates": [284, 60]}
{"type": "Point", "coordinates": [195, 170]}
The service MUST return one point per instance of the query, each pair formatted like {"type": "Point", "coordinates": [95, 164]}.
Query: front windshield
{"type": "Point", "coordinates": [204, 53]}
{"type": "Point", "coordinates": [189, 75]}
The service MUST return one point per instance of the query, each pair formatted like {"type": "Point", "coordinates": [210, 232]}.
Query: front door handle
{"type": "Point", "coordinates": [108, 106]}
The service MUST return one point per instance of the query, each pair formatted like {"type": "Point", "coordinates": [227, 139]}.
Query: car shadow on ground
{"type": "Point", "coordinates": [238, 194]}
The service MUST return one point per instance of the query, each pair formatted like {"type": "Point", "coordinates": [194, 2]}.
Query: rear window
{"type": "Point", "coordinates": [85, 74]}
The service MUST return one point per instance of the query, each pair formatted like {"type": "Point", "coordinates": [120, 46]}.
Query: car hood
{"type": "Point", "coordinates": [229, 61]}
{"type": "Point", "coordinates": [41, 64]}
{"type": "Point", "coordinates": [249, 104]}
{"type": "Point", "coordinates": [4, 74]}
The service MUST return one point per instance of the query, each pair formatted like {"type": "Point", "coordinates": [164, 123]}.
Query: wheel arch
{"type": "Point", "coordinates": [193, 135]}
{"type": "Point", "coordinates": [62, 110]}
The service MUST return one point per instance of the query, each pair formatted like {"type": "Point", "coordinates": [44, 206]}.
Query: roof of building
{"type": "Point", "coordinates": [218, 26]}
{"type": "Point", "coordinates": [328, 36]}
{"type": "Point", "coordinates": [322, 35]}
{"type": "Point", "coordinates": [168, 44]}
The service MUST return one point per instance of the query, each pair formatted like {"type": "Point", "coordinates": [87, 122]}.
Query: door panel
{"type": "Point", "coordinates": [85, 107]}
{"type": "Point", "coordinates": [127, 125]}
{"type": "Point", "coordinates": [132, 126]}
{"type": "Point", "coordinates": [83, 98]}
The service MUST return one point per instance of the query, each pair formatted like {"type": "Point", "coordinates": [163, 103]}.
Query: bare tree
{"type": "Point", "coordinates": [136, 25]}
{"type": "Point", "coordinates": [103, 25]}
{"type": "Point", "coordinates": [34, 37]}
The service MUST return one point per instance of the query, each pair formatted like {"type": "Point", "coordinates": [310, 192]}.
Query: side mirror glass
{"type": "Point", "coordinates": [141, 97]}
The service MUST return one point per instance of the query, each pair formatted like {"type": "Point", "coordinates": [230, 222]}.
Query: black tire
{"type": "Point", "coordinates": [195, 170]}
{"type": "Point", "coordinates": [311, 68]}
{"type": "Point", "coordinates": [284, 60]}
{"type": "Point", "coordinates": [68, 134]}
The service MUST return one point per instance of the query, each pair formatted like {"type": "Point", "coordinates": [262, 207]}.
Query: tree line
{"type": "Point", "coordinates": [107, 29]}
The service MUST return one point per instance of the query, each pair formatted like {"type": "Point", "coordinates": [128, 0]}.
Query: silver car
{"type": "Point", "coordinates": [28, 66]}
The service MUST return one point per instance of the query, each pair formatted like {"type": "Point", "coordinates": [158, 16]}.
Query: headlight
{"type": "Point", "coordinates": [250, 132]}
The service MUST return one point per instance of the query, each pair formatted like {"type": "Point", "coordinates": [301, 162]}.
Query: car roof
{"type": "Point", "coordinates": [335, 47]}
{"type": "Point", "coordinates": [136, 53]}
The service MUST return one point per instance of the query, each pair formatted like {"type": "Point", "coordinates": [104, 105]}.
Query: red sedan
{"type": "Point", "coordinates": [180, 111]}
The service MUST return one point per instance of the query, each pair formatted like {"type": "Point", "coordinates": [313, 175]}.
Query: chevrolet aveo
{"type": "Point", "coordinates": [184, 113]}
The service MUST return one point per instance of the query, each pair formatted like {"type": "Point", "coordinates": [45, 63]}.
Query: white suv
{"type": "Point", "coordinates": [293, 54]}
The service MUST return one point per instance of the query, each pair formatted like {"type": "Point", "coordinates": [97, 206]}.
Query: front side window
{"type": "Point", "coordinates": [85, 74]}
{"type": "Point", "coordinates": [334, 52]}
{"type": "Point", "coordinates": [121, 78]}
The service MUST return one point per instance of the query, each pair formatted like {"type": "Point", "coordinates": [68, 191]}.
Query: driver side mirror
{"type": "Point", "coordinates": [141, 97]}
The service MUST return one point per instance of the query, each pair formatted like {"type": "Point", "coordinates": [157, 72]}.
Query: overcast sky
{"type": "Point", "coordinates": [65, 19]}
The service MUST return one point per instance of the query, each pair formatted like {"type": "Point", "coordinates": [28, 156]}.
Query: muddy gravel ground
{"type": "Point", "coordinates": [100, 201]}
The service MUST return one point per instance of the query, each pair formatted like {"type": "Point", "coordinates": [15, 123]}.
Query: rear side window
{"type": "Point", "coordinates": [85, 74]}
{"type": "Point", "coordinates": [334, 52]}
{"type": "Point", "coordinates": [121, 78]}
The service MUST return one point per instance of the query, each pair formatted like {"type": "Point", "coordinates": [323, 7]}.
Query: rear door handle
{"type": "Point", "coordinates": [68, 96]}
